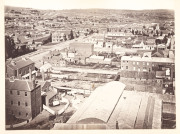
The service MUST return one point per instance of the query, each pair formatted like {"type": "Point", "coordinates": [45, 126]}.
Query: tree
{"type": "Point", "coordinates": [91, 32]}
{"type": "Point", "coordinates": [71, 35]}
{"type": "Point", "coordinates": [9, 47]}
{"type": "Point", "coordinates": [64, 37]}
{"type": "Point", "coordinates": [157, 32]}
{"type": "Point", "coordinates": [137, 32]}
{"type": "Point", "coordinates": [169, 34]}
{"type": "Point", "coordinates": [133, 32]}
{"type": "Point", "coordinates": [158, 41]}
{"type": "Point", "coordinates": [161, 33]}
{"type": "Point", "coordinates": [165, 40]}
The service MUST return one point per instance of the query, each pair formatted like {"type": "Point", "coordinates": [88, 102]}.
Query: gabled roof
{"type": "Point", "coordinates": [50, 94]}
{"type": "Point", "coordinates": [157, 51]}
{"type": "Point", "coordinates": [21, 85]}
{"type": "Point", "coordinates": [42, 83]}
{"type": "Point", "coordinates": [23, 62]}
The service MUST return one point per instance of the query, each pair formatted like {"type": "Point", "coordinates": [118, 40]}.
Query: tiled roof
{"type": "Point", "coordinates": [21, 85]}
{"type": "Point", "coordinates": [21, 63]}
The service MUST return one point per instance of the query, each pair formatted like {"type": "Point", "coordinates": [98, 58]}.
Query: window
{"type": "Point", "coordinates": [25, 93]}
{"type": "Point", "coordinates": [11, 92]}
{"type": "Point", "coordinates": [18, 93]}
{"type": "Point", "coordinates": [11, 102]}
{"type": "Point", "coordinates": [26, 114]}
{"type": "Point", "coordinates": [137, 63]}
{"type": "Point", "coordinates": [133, 63]}
{"type": "Point", "coordinates": [19, 103]}
{"type": "Point", "coordinates": [26, 104]}
{"type": "Point", "coordinates": [147, 64]}
{"type": "Point", "coordinates": [19, 113]}
{"type": "Point", "coordinates": [144, 69]}
{"type": "Point", "coordinates": [126, 67]}
{"type": "Point", "coordinates": [134, 68]}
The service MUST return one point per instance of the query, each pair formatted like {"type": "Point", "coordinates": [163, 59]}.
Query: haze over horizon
{"type": "Point", "coordinates": [90, 4]}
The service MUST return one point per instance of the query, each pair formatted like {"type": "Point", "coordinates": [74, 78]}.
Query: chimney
{"type": "Point", "coordinates": [20, 76]}
{"type": "Point", "coordinates": [42, 75]}
{"type": "Point", "coordinates": [34, 83]}
{"type": "Point", "coordinates": [17, 73]}
{"type": "Point", "coordinates": [13, 63]}
{"type": "Point", "coordinates": [12, 79]}
{"type": "Point", "coordinates": [30, 74]}
{"type": "Point", "coordinates": [117, 126]}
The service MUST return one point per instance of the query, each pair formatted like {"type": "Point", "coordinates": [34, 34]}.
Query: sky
{"type": "Point", "coordinates": [83, 4]}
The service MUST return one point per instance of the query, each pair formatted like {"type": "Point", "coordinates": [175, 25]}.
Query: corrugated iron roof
{"type": "Point", "coordinates": [100, 104]}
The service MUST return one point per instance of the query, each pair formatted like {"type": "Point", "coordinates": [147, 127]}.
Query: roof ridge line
{"type": "Point", "coordinates": [28, 85]}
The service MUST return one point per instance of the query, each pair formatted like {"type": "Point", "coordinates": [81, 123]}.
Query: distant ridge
{"type": "Point", "coordinates": [8, 8]}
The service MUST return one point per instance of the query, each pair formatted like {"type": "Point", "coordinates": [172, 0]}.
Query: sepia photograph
{"type": "Point", "coordinates": [89, 65]}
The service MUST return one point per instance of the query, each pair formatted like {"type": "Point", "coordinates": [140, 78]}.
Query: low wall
{"type": "Point", "coordinates": [48, 109]}
{"type": "Point", "coordinates": [63, 109]}
{"type": "Point", "coordinates": [135, 74]}
{"type": "Point", "coordinates": [18, 124]}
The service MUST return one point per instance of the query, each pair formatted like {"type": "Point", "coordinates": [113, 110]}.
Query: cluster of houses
{"type": "Point", "coordinates": [25, 94]}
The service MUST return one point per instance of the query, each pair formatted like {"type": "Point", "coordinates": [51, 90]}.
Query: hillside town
{"type": "Point", "coordinates": [89, 68]}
